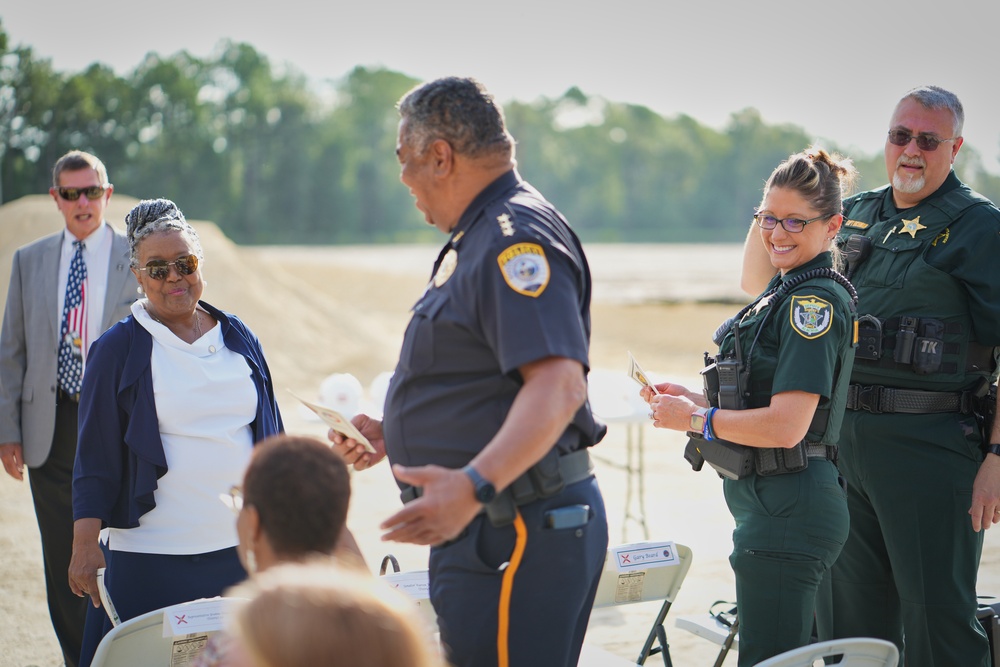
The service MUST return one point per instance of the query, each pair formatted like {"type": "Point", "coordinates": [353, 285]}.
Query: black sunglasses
{"type": "Point", "coordinates": [159, 269]}
{"type": "Point", "coordinates": [791, 225]}
{"type": "Point", "coordinates": [925, 142]}
{"type": "Point", "coordinates": [91, 191]}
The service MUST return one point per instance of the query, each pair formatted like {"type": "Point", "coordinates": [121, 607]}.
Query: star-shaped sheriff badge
{"type": "Point", "coordinates": [911, 227]}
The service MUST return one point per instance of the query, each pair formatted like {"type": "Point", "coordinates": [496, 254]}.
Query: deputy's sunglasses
{"type": "Point", "coordinates": [91, 192]}
{"type": "Point", "coordinates": [159, 269]}
{"type": "Point", "coordinates": [792, 225]}
{"type": "Point", "coordinates": [925, 142]}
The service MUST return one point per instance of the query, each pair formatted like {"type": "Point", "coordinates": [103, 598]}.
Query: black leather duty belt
{"type": "Point", "coordinates": [815, 450]}
{"type": "Point", "coordinates": [878, 399]}
{"type": "Point", "coordinates": [573, 467]}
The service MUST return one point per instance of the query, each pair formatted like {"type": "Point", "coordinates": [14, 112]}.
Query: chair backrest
{"type": "Point", "coordinates": [140, 640]}
{"type": "Point", "coordinates": [416, 585]}
{"type": "Point", "coordinates": [640, 584]}
{"type": "Point", "coordinates": [853, 652]}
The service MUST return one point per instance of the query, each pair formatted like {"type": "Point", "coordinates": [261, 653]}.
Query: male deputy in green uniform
{"type": "Point", "coordinates": [925, 265]}
{"type": "Point", "coordinates": [490, 396]}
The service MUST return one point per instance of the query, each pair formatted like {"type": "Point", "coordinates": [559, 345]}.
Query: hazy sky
{"type": "Point", "coordinates": [833, 68]}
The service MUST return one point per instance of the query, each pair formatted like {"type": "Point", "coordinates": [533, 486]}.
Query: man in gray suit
{"type": "Point", "coordinates": [46, 333]}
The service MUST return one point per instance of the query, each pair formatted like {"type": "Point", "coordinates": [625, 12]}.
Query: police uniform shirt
{"type": "Point", "coordinates": [960, 252]}
{"type": "Point", "coordinates": [805, 342]}
{"type": "Point", "coordinates": [512, 286]}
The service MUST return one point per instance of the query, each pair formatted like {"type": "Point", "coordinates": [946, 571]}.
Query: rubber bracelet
{"type": "Point", "coordinates": [707, 432]}
{"type": "Point", "coordinates": [992, 448]}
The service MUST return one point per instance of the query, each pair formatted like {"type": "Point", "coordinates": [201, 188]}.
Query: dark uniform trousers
{"type": "Point", "coordinates": [553, 587]}
{"type": "Point", "coordinates": [925, 453]}
{"type": "Point", "coordinates": [789, 531]}
{"type": "Point", "coordinates": [52, 491]}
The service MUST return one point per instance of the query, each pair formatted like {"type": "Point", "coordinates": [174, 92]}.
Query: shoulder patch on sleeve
{"type": "Point", "coordinates": [810, 316]}
{"type": "Point", "coordinates": [525, 268]}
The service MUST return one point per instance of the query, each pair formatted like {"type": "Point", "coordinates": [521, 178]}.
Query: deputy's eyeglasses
{"type": "Point", "coordinates": [91, 191]}
{"type": "Point", "coordinates": [925, 142]}
{"type": "Point", "coordinates": [791, 225]}
{"type": "Point", "coordinates": [159, 269]}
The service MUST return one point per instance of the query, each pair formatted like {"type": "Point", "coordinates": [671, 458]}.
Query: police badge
{"type": "Point", "coordinates": [810, 316]}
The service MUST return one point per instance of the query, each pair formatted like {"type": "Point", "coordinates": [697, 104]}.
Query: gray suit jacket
{"type": "Point", "coordinates": [29, 341]}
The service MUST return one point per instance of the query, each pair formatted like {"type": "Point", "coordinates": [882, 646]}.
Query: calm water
{"type": "Point", "coordinates": [623, 273]}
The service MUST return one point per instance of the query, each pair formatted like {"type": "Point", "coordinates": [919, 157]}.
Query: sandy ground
{"type": "Point", "coordinates": [322, 310]}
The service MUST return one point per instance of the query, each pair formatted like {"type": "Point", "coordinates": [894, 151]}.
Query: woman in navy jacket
{"type": "Point", "coordinates": [174, 398]}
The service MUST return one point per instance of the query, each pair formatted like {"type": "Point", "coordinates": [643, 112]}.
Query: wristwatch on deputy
{"type": "Point", "coordinates": [698, 419]}
{"type": "Point", "coordinates": [993, 448]}
{"type": "Point", "coordinates": [485, 491]}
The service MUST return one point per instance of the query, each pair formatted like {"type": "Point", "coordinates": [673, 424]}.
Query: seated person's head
{"type": "Point", "coordinates": [304, 615]}
{"type": "Point", "coordinates": [295, 496]}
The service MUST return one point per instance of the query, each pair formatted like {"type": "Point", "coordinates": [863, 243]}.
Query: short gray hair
{"type": "Point", "coordinates": [459, 110]}
{"type": "Point", "coordinates": [151, 216]}
{"type": "Point", "coordinates": [935, 97]}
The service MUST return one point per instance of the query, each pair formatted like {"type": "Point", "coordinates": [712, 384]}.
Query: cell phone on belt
{"type": "Point", "coordinates": [571, 516]}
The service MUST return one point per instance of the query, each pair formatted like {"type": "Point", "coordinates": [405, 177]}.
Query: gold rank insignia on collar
{"type": "Point", "coordinates": [506, 226]}
{"type": "Point", "coordinates": [911, 227]}
{"type": "Point", "coordinates": [856, 224]}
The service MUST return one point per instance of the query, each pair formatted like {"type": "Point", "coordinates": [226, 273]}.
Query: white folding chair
{"type": "Point", "coordinates": [141, 640]}
{"type": "Point", "coordinates": [656, 572]}
{"type": "Point", "coordinates": [415, 584]}
{"type": "Point", "coordinates": [853, 652]}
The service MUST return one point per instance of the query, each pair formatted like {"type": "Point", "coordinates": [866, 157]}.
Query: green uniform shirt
{"type": "Point", "coordinates": [938, 260]}
{"type": "Point", "coordinates": [804, 342]}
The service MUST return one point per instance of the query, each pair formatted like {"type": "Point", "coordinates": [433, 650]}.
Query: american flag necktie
{"type": "Point", "coordinates": [74, 324]}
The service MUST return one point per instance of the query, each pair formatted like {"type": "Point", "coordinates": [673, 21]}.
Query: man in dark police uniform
{"type": "Point", "coordinates": [486, 419]}
{"type": "Point", "coordinates": [923, 254]}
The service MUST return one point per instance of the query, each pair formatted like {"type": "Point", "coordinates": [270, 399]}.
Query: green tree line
{"type": "Point", "coordinates": [273, 158]}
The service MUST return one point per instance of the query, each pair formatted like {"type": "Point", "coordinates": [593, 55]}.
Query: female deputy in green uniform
{"type": "Point", "coordinates": [770, 416]}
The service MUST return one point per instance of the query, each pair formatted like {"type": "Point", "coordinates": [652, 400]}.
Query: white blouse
{"type": "Point", "coordinates": [205, 402]}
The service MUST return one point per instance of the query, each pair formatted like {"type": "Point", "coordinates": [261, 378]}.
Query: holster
{"type": "Point", "coordinates": [729, 459]}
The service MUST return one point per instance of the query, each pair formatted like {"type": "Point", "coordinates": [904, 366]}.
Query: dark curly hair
{"type": "Point", "coordinates": [459, 110]}
{"type": "Point", "coordinates": [301, 489]}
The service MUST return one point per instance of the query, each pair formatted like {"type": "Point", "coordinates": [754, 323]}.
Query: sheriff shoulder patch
{"type": "Point", "coordinates": [524, 268]}
{"type": "Point", "coordinates": [810, 316]}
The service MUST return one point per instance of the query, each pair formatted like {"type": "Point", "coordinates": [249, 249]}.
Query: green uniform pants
{"type": "Point", "coordinates": [908, 571]}
{"type": "Point", "coordinates": [789, 530]}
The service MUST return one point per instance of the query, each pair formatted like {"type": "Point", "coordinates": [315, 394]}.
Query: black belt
{"type": "Point", "coordinates": [573, 467]}
{"type": "Point", "coordinates": [816, 450]}
{"type": "Point", "coordinates": [64, 396]}
{"type": "Point", "coordinates": [878, 399]}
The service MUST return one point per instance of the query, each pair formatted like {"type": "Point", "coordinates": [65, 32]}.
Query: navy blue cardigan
{"type": "Point", "coordinates": [120, 455]}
